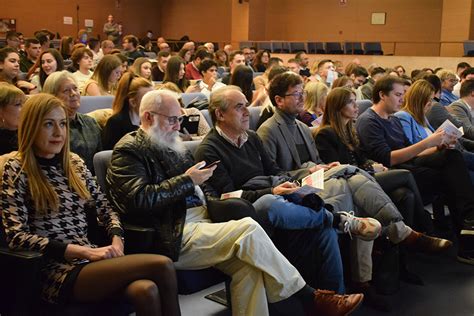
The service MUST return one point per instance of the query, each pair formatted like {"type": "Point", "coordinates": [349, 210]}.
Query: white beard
{"type": "Point", "coordinates": [163, 140]}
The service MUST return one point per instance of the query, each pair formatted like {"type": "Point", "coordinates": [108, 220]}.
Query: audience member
{"type": "Point", "coordinates": [12, 40]}
{"type": "Point", "coordinates": [33, 50]}
{"type": "Point", "coordinates": [343, 82]}
{"type": "Point", "coordinates": [314, 103]}
{"type": "Point", "coordinates": [105, 77]}
{"type": "Point", "coordinates": [366, 89]}
{"type": "Point", "coordinates": [192, 68]}
{"type": "Point", "coordinates": [11, 101]}
{"type": "Point", "coordinates": [209, 83]}
{"type": "Point", "coordinates": [448, 81]}
{"type": "Point", "coordinates": [303, 60]}
{"type": "Point", "coordinates": [400, 70]}
{"type": "Point", "coordinates": [435, 170]}
{"type": "Point", "coordinates": [152, 161]}
{"type": "Point", "coordinates": [142, 67]}
{"type": "Point", "coordinates": [65, 47]}
{"type": "Point", "coordinates": [324, 72]}
{"type": "Point", "coordinates": [260, 63]}
{"type": "Point", "coordinates": [222, 59]}
{"type": "Point", "coordinates": [293, 65]}
{"type": "Point", "coordinates": [130, 47]}
{"type": "Point", "coordinates": [82, 62]}
{"type": "Point", "coordinates": [210, 47]}
{"type": "Point", "coordinates": [228, 49]}
{"type": "Point", "coordinates": [84, 131]}
{"type": "Point", "coordinates": [175, 73]}
{"type": "Point", "coordinates": [126, 109]}
{"type": "Point", "coordinates": [467, 74]}
{"type": "Point", "coordinates": [47, 190]}
{"type": "Point", "coordinates": [49, 61]}
{"type": "Point", "coordinates": [236, 58]}
{"type": "Point", "coordinates": [158, 70]}
{"type": "Point", "coordinates": [10, 68]}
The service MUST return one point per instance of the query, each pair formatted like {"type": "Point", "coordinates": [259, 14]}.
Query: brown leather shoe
{"type": "Point", "coordinates": [327, 303]}
{"type": "Point", "coordinates": [423, 243]}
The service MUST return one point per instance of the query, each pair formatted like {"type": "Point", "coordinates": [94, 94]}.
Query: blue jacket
{"type": "Point", "coordinates": [412, 129]}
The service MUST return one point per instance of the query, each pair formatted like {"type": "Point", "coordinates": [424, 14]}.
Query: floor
{"type": "Point", "coordinates": [448, 290]}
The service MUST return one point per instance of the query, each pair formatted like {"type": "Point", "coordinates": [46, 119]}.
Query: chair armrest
{"type": "Point", "coordinates": [20, 285]}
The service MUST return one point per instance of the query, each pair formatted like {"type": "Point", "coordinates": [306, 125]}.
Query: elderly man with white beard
{"type": "Point", "coordinates": [154, 182]}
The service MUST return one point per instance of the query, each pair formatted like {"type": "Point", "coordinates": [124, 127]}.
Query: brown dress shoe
{"type": "Point", "coordinates": [327, 303]}
{"type": "Point", "coordinates": [423, 243]}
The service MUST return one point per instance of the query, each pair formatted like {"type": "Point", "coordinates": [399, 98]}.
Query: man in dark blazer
{"type": "Point", "coordinates": [461, 109]}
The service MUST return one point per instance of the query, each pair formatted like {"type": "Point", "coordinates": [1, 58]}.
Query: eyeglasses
{"type": "Point", "coordinates": [453, 80]}
{"type": "Point", "coordinates": [172, 120]}
{"type": "Point", "coordinates": [298, 95]}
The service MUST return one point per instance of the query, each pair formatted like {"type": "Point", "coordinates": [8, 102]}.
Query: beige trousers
{"type": "Point", "coordinates": [241, 249]}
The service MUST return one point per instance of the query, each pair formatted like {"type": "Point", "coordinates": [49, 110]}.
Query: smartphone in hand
{"type": "Point", "coordinates": [211, 164]}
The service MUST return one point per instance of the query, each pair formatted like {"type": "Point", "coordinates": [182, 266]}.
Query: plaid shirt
{"type": "Point", "coordinates": [85, 135]}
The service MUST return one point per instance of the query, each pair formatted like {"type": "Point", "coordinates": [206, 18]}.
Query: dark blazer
{"type": "Point", "coordinates": [280, 145]}
{"type": "Point", "coordinates": [459, 111]}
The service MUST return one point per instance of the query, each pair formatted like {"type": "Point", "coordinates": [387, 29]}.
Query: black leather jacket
{"type": "Point", "coordinates": [148, 186]}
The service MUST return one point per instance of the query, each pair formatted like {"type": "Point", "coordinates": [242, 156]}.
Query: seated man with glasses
{"type": "Point", "coordinates": [153, 181]}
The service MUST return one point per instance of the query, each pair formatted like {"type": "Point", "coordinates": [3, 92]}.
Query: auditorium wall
{"type": "Point", "coordinates": [137, 16]}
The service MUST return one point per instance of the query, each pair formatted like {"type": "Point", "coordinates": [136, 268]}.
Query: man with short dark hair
{"type": "Point", "coordinates": [437, 170]}
{"type": "Point", "coordinates": [293, 65]}
{"type": "Point", "coordinates": [44, 40]}
{"type": "Point", "coordinates": [303, 60]}
{"type": "Point", "coordinates": [33, 50]}
{"type": "Point", "coordinates": [152, 181]}
{"type": "Point", "coordinates": [158, 71]}
{"type": "Point", "coordinates": [130, 47]}
{"type": "Point", "coordinates": [326, 72]}
{"type": "Point", "coordinates": [236, 58]}
{"type": "Point", "coordinates": [249, 54]}
{"type": "Point", "coordinates": [192, 68]}
{"type": "Point", "coordinates": [366, 89]}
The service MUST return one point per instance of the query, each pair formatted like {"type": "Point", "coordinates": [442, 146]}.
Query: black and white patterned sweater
{"type": "Point", "coordinates": [50, 233]}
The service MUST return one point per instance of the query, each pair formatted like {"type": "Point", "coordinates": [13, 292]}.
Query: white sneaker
{"type": "Point", "coordinates": [365, 228]}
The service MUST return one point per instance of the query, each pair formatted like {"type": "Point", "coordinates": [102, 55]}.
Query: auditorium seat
{"type": "Point", "coordinates": [373, 48]}
{"type": "Point", "coordinates": [468, 48]}
{"type": "Point", "coordinates": [353, 48]}
{"type": "Point", "coordinates": [189, 98]}
{"type": "Point", "coordinates": [280, 47]}
{"type": "Point", "coordinates": [140, 239]}
{"type": "Point", "coordinates": [207, 116]}
{"type": "Point", "coordinates": [265, 46]}
{"type": "Point", "coordinates": [334, 48]}
{"type": "Point", "coordinates": [246, 44]}
{"type": "Point", "coordinates": [297, 47]}
{"type": "Point", "coordinates": [316, 48]}
{"type": "Point", "coordinates": [254, 116]}
{"type": "Point", "coordinates": [92, 103]}
{"type": "Point", "coordinates": [363, 105]}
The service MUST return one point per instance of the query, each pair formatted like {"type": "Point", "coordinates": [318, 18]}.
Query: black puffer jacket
{"type": "Point", "coordinates": [149, 188]}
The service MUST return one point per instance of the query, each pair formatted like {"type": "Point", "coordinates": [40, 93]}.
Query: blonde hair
{"type": "Point", "coordinates": [416, 98]}
{"type": "Point", "coordinates": [445, 74]}
{"type": "Point", "coordinates": [103, 71]}
{"type": "Point", "coordinates": [315, 93]}
{"type": "Point", "coordinates": [42, 192]}
{"type": "Point", "coordinates": [9, 94]}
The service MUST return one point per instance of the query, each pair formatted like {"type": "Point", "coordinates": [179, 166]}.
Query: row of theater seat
{"type": "Point", "coordinates": [352, 48]}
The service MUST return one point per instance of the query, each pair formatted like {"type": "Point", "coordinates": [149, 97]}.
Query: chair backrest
{"type": "Point", "coordinates": [254, 116]}
{"type": "Point", "coordinates": [280, 47]}
{"type": "Point", "coordinates": [207, 116]}
{"type": "Point", "coordinates": [92, 103]}
{"type": "Point", "coordinates": [265, 45]}
{"type": "Point", "coordinates": [151, 55]}
{"type": "Point", "coordinates": [297, 47]}
{"type": "Point", "coordinates": [373, 48]}
{"type": "Point", "coordinates": [354, 48]}
{"type": "Point", "coordinates": [363, 105]}
{"type": "Point", "coordinates": [468, 48]}
{"type": "Point", "coordinates": [316, 48]}
{"type": "Point", "coordinates": [334, 48]}
{"type": "Point", "coordinates": [101, 164]}
{"type": "Point", "coordinates": [189, 98]}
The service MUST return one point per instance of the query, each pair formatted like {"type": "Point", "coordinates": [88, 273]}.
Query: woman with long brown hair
{"type": "Point", "coordinates": [126, 106]}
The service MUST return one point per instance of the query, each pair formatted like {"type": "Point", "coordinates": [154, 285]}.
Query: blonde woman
{"type": "Point", "coordinates": [314, 103]}
{"type": "Point", "coordinates": [46, 191]}
{"type": "Point", "coordinates": [11, 101]}
{"type": "Point", "coordinates": [105, 77]}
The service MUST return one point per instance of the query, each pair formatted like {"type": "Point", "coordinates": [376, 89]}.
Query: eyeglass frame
{"type": "Point", "coordinates": [300, 95]}
{"type": "Point", "coordinates": [172, 120]}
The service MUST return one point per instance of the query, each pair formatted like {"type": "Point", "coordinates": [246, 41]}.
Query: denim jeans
{"type": "Point", "coordinates": [277, 211]}
{"type": "Point", "coordinates": [283, 214]}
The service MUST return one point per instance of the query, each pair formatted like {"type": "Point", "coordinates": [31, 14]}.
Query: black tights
{"type": "Point", "coordinates": [147, 281]}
